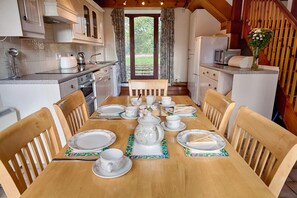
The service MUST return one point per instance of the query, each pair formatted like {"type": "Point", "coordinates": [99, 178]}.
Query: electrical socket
{"type": "Point", "coordinates": [58, 56]}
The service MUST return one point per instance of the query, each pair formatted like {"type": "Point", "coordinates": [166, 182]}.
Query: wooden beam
{"type": "Point", "coordinates": [294, 8]}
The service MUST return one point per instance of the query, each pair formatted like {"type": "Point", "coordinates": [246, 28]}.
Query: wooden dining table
{"type": "Point", "coordinates": [177, 176]}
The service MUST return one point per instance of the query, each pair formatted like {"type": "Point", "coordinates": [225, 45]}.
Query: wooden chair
{"type": "Point", "coordinates": [218, 109]}
{"type": "Point", "coordinates": [26, 148]}
{"type": "Point", "coordinates": [72, 112]}
{"type": "Point", "coordinates": [269, 149]}
{"type": "Point", "coordinates": [148, 87]}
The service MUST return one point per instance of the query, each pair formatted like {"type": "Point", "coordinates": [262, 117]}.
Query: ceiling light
{"type": "Point", "coordinates": [143, 3]}
{"type": "Point", "coordinates": [125, 2]}
{"type": "Point", "coordinates": [161, 2]}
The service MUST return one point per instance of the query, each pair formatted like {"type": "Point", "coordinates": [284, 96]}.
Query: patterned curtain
{"type": "Point", "coordinates": [118, 22]}
{"type": "Point", "coordinates": [167, 44]}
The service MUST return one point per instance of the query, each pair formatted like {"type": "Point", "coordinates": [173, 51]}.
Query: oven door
{"type": "Point", "coordinates": [91, 103]}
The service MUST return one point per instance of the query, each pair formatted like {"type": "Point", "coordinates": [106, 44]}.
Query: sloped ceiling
{"type": "Point", "coordinates": [220, 9]}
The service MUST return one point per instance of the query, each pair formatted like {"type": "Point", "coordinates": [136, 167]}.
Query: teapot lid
{"type": "Point", "coordinates": [149, 119]}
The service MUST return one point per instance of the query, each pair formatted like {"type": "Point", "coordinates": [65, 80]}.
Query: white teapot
{"type": "Point", "coordinates": [149, 131]}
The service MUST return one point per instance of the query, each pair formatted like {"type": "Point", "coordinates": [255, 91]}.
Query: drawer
{"type": "Point", "coordinates": [213, 74]}
{"type": "Point", "coordinates": [68, 87]}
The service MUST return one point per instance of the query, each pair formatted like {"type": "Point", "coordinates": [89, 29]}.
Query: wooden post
{"type": "Point", "coordinates": [236, 24]}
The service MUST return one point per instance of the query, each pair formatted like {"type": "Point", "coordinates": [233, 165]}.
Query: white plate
{"type": "Point", "coordinates": [92, 139]}
{"type": "Point", "coordinates": [170, 105]}
{"type": "Point", "coordinates": [111, 109]}
{"type": "Point", "coordinates": [181, 127]}
{"type": "Point", "coordinates": [98, 171]}
{"type": "Point", "coordinates": [123, 115]}
{"type": "Point", "coordinates": [182, 138]}
{"type": "Point", "coordinates": [171, 110]}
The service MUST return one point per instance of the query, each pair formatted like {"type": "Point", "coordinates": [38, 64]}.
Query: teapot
{"type": "Point", "coordinates": [149, 131]}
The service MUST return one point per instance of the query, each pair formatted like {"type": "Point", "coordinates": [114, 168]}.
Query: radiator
{"type": "Point", "coordinates": [8, 116]}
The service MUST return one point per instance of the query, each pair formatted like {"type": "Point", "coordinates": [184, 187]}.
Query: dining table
{"type": "Point", "coordinates": [177, 175]}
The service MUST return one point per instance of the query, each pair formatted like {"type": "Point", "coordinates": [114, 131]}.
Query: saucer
{"type": "Point", "coordinates": [181, 127]}
{"type": "Point", "coordinates": [123, 115]}
{"type": "Point", "coordinates": [98, 171]}
{"type": "Point", "coordinates": [170, 105]}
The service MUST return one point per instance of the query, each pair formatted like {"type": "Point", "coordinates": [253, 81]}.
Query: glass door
{"type": "Point", "coordinates": [142, 38]}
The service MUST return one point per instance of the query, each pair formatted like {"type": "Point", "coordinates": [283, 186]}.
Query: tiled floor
{"type": "Point", "coordinates": [289, 190]}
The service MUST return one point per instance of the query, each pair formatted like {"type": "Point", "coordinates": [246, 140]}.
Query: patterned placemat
{"type": "Point", "coordinates": [158, 151]}
{"type": "Point", "coordinates": [191, 153]}
{"type": "Point", "coordinates": [71, 152]}
{"type": "Point", "coordinates": [97, 115]}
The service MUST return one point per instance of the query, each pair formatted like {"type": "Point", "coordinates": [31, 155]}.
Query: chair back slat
{"type": "Point", "coordinates": [218, 108]}
{"type": "Point", "coordinates": [148, 87]}
{"type": "Point", "coordinates": [269, 149]}
{"type": "Point", "coordinates": [72, 113]}
{"type": "Point", "coordinates": [31, 141]}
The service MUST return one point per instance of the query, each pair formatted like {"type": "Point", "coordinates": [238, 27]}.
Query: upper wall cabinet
{"type": "Point", "coordinates": [22, 18]}
{"type": "Point", "coordinates": [89, 26]}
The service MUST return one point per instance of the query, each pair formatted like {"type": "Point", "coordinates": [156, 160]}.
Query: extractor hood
{"type": "Point", "coordinates": [60, 11]}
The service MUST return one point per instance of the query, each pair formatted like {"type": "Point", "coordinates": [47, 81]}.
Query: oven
{"type": "Point", "coordinates": [86, 85]}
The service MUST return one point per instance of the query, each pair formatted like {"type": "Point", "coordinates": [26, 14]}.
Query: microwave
{"type": "Point", "coordinates": [222, 56]}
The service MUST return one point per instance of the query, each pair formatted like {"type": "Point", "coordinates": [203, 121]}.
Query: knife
{"type": "Point", "coordinates": [74, 159]}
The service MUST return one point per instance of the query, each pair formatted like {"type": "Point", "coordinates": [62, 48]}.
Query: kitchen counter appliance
{"type": "Point", "coordinates": [86, 85]}
{"type": "Point", "coordinates": [222, 56]}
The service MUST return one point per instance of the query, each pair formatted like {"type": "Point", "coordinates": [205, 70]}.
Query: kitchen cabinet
{"type": "Point", "coordinates": [22, 18]}
{"type": "Point", "coordinates": [89, 26]}
{"type": "Point", "coordinates": [254, 89]}
{"type": "Point", "coordinates": [30, 97]}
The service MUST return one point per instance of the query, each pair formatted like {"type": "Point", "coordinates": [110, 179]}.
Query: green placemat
{"type": "Point", "coordinates": [69, 152]}
{"type": "Point", "coordinates": [129, 150]}
{"type": "Point", "coordinates": [222, 153]}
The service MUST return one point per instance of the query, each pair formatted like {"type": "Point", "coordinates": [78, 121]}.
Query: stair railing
{"type": "Point", "coordinates": [282, 50]}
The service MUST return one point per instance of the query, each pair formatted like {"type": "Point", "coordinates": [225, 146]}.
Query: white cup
{"type": "Point", "coordinates": [150, 100]}
{"type": "Point", "coordinates": [111, 159]}
{"type": "Point", "coordinates": [131, 111]}
{"type": "Point", "coordinates": [166, 100]}
{"type": "Point", "coordinates": [136, 101]}
{"type": "Point", "coordinates": [172, 121]}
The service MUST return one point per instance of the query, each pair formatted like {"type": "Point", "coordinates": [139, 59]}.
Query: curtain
{"type": "Point", "coordinates": [167, 44]}
{"type": "Point", "coordinates": [118, 22]}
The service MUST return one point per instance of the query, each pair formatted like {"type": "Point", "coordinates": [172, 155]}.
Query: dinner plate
{"type": "Point", "coordinates": [171, 110]}
{"type": "Point", "coordinates": [123, 115]}
{"type": "Point", "coordinates": [169, 105]}
{"type": "Point", "coordinates": [98, 171]}
{"type": "Point", "coordinates": [92, 139]}
{"type": "Point", "coordinates": [181, 127]}
{"type": "Point", "coordinates": [182, 139]}
{"type": "Point", "coordinates": [111, 109]}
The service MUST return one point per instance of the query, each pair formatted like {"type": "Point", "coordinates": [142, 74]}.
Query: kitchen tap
{"type": "Point", "coordinates": [92, 57]}
{"type": "Point", "coordinates": [13, 52]}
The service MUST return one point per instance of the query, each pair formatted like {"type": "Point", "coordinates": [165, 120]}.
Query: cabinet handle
{"type": "Point", "coordinates": [203, 72]}
{"type": "Point", "coordinates": [207, 72]}
{"type": "Point", "coordinates": [25, 18]}
{"type": "Point", "coordinates": [215, 88]}
{"type": "Point", "coordinates": [209, 85]}
{"type": "Point", "coordinates": [214, 74]}
{"type": "Point", "coordinates": [71, 86]}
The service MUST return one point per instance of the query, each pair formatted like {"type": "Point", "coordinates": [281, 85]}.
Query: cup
{"type": "Point", "coordinates": [136, 101]}
{"type": "Point", "coordinates": [172, 121]}
{"type": "Point", "coordinates": [111, 160]}
{"type": "Point", "coordinates": [150, 100]}
{"type": "Point", "coordinates": [166, 100]}
{"type": "Point", "coordinates": [131, 111]}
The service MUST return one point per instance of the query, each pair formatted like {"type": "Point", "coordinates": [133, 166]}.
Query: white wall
{"type": "Point", "coordinates": [109, 42]}
{"type": "Point", "coordinates": [181, 39]}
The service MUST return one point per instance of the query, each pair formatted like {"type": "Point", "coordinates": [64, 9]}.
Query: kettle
{"type": "Point", "coordinates": [81, 58]}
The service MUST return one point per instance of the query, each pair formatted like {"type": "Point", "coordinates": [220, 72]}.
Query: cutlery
{"type": "Point", "coordinates": [74, 159]}
{"type": "Point", "coordinates": [139, 96]}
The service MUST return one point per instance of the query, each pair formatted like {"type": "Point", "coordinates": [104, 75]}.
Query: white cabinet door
{"type": "Point", "coordinates": [31, 15]}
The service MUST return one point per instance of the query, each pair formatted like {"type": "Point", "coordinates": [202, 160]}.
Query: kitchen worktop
{"type": "Point", "coordinates": [237, 70]}
{"type": "Point", "coordinates": [54, 78]}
